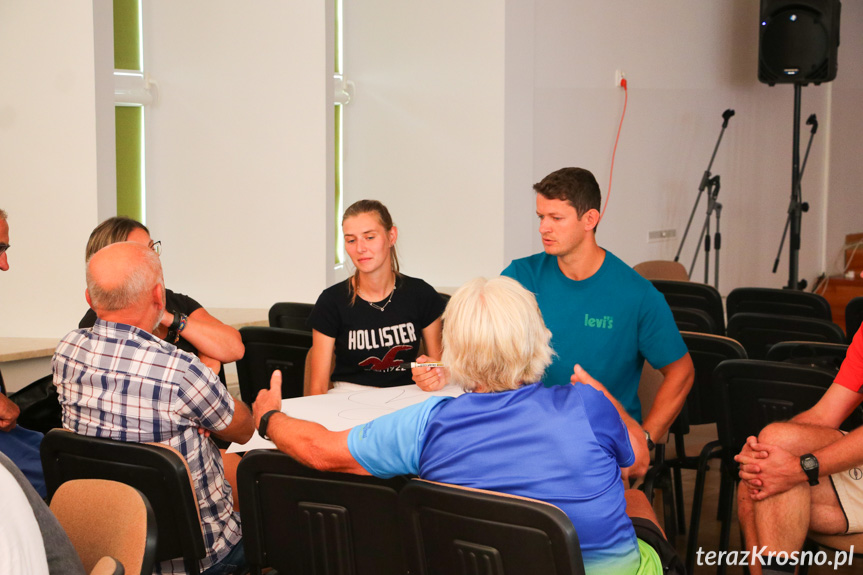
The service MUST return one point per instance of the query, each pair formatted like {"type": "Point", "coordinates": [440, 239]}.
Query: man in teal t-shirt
{"type": "Point", "coordinates": [601, 313]}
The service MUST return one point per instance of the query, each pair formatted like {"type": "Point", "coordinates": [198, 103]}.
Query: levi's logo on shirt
{"type": "Point", "coordinates": [604, 322]}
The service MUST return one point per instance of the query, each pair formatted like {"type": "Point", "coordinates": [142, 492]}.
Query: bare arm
{"type": "Point", "coordinates": [309, 443]}
{"type": "Point", "coordinates": [213, 339]}
{"type": "Point", "coordinates": [831, 410]}
{"type": "Point", "coordinates": [431, 378]}
{"type": "Point", "coordinates": [636, 433]}
{"type": "Point", "coordinates": [322, 363]}
{"type": "Point", "coordinates": [242, 425]}
{"type": "Point", "coordinates": [678, 377]}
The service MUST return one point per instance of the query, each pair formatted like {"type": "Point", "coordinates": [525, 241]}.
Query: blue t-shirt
{"type": "Point", "coordinates": [609, 323]}
{"type": "Point", "coordinates": [563, 445]}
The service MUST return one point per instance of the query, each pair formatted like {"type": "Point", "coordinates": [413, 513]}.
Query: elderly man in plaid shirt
{"type": "Point", "coordinates": [118, 380]}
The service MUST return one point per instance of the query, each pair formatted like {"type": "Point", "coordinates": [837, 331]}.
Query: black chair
{"type": "Point", "coordinates": [466, 532]}
{"type": "Point", "coordinates": [826, 356]}
{"type": "Point", "coordinates": [777, 302]}
{"type": "Point", "coordinates": [269, 349]}
{"type": "Point", "coordinates": [753, 394]}
{"type": "Point", "coordinates": [696, 320]}
{"type": "Point", "coordinates": [157, 471]}
{"type": "Point", "coordinates": [302, 521]}
{"type": "Point", "coordinates": [707, 351]}
{"type": "Point", "coordinates": [853, 316]}
{"type": "Point", "coordinates": [290, 315]}
{"type": "Point", "coordinates": [39, 405]}
{"type": "Point", "coordinates": [758, 332]}
{"type": "Point", "coordinates": [696, 296]}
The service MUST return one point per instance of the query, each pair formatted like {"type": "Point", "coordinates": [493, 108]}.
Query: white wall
{"type": "Point", "coordinates": [459, 108]}
{"type": "Point", "coordinates": [685, 63]}
{"type": "Point", "coordinates": [424, 132]}
{"type": "Point", "coordinates": [427, 99]}
{"type": "Point", "coordinates": [845, 203]}
{"type": "Point", "coordinates": [48, 161]}
{"type": "Point", "coordinates": [238, 159]}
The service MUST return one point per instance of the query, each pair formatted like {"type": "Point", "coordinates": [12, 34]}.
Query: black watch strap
{"type": "Point", "coordinates": [810, 466]}
{"type": "Point", "coordinates": [650, 444]}
{"type": "Point", "coordinates": [265, 420]}
{"type": "Point", "coordinates": [172, 336]}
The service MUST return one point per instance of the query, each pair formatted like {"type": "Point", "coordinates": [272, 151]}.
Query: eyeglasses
{"type": "Point", "coordinates": [155, 246]}
{"type": "Point", "coordinates": [3, 248]}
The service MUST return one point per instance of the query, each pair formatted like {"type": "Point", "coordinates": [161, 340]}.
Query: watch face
{"type": "Point", "coordinates": [809, 463]}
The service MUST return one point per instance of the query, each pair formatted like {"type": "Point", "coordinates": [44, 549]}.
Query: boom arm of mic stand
{"type": "Point", "coordinates": [705, 181]}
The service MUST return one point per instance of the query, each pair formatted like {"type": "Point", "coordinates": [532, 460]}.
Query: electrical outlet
{"type": "Point", "coordinates": [618, 78]}
{"type": "Point", "coordinates": [661, 235]}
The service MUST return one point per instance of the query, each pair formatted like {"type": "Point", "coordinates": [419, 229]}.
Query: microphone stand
{"type": "Point", "coordinates": [713, 183]}
{"type": "Point", "coordinates": [712, 206]}
{"type": "Point", "coordinates": [804, 206]}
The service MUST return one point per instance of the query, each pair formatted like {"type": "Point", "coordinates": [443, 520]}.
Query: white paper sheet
{"type": "Point", "coordinates": [340, 410]}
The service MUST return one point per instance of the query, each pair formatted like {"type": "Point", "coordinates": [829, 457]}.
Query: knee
{"type": "Point", "coordinates": [788, 436]}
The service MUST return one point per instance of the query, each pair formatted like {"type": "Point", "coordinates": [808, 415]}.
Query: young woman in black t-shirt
{"type": "Point", "coordinates": [373, 321]}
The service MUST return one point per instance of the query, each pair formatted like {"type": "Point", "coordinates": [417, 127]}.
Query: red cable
{"type": "Point", "coordinates": [617, 139]}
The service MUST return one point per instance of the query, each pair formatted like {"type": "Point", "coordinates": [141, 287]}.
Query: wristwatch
{"type": "Point", "coordinates": [265, 420]}
{"type": "Point", "coordinates": [650, 444]}
{"type": "Point", "coordinates": [809, 463]}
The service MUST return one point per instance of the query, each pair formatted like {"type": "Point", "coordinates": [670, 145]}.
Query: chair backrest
{"type": "Point", "coordinates": [269, 349]}
{"type": "Point", "coordinates": [754, 393]}
{"type": "Point", "coordinates": [707, 351]}
{"type": "Point", "coordinates": [157, 471]}
{"type": "Point", "coordinates": [691, 319]}
{"type": "Point", "coordinates": [452, 530]}
{"type": "Point", "coordinates": [107, 518]}
{"type": "Point", "coordinates": [662, 270]}
{"type": "Point", "coordinates": [826, 356]}
{"type": "Point", "coordinates": [302, 521]}
{"type": "Point", "coordinates": [290, 315]}
{"type": "Point", "coordinates": [696, 296]}
{"type": "Point", "coordinates": [777, 302]}
{"type": "Point", "coordinates": [758, 332]}
{"type": "Point", "coordinates": [853, 316]}
{"type": "Point", "coordinates": [39, 404]}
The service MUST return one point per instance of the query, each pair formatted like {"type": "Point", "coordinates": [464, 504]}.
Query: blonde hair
{"type": "Point", "coordinates": [111, 231]}
{"type": "Point", "coordinates": [4, 215]}
{"type": "Point", "coordinates": [386, 221]}
{"type": "Point", "coordinates": [494, 337]}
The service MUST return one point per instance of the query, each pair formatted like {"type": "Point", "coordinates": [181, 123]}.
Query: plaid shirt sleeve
{"type": "Point", "coordinates": [203, 398]}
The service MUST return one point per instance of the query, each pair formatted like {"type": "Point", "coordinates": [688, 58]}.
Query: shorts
{"type": "Point", "coordinates": [849, 489]}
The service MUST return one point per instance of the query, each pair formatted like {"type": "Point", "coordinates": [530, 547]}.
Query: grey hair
{"type": "Point", "coordinates": [3, 215]}
{"type": "Point", "coordinates": [494, 337]}
{"type": "Point", "coordinates": [134, 286]}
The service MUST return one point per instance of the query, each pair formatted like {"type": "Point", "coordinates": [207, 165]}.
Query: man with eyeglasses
{"type": "Point", "coordinates": [18, 444]}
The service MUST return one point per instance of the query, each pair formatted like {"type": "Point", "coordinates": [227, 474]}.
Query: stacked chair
{"type": "Point", "coordinates": [693, 297]}
{"type": "Point", "coordinates": [853, 316]}
{"type": "Point", "coordinates": [761, 317]}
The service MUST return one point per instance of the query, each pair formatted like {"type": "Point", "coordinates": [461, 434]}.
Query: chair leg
{"type": "Point", "coordinates": [727, 516]}
{"type": "Point", "coordinates": [677, 481]}
{"type": "Point", "coordinates": [711, 450]}
{"type": "Point", "coordinates": [680, 460]}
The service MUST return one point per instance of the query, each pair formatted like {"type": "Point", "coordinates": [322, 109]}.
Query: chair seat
{"type": "Point", "coordinates": [839, 542]}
